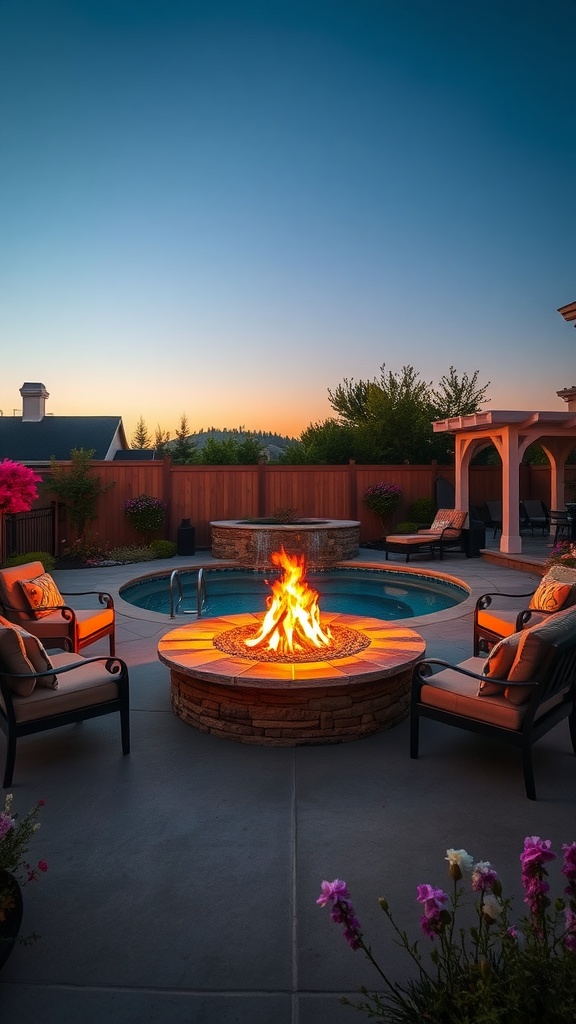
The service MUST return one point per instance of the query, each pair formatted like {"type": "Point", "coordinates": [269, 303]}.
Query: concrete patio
{"type": "Point", "coordinates": [182, 879]}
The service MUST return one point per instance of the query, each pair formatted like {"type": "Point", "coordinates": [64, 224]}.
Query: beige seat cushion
{"type": "Point", "coordinates": [451, 691]}
{"type": "Point", "coordinates": [34, 652]}
{"type": "Point", "coordinates": [81, 687]}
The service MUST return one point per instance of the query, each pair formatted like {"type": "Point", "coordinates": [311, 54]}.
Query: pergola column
{"type": "Point", "coordinates": [510, 541]}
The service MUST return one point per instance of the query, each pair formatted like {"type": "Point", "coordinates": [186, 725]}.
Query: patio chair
{"type": "Point", "coordinates": [444, 533]}
{"type": "Point", "coordinates": [561, 525]}
{"type": "Point", "coordinates": [514, 612]}
{"type": "Point", "coordinates": [535, 515]}
{"type": "Point", "coordinates": [525, 688]}
{"type": "Point", "coordinates": [494, 521]}
{"type": "Point", "coordinates": [40, 691]}
{"type": "Point", "coordinates": [30, 598]}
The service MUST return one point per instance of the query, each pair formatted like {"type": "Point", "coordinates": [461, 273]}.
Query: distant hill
{"type": "Point", "coordinates": [273, 444]}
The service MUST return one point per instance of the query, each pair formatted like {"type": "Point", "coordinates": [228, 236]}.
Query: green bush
{"type": "Point", "coordinates": [48, 560]}
{"type": "Point", "coordinates": [410, 527]}
{"type": "Point", "coordinates": [422, 510]}
{"type": "Point", "coordinates": [163, 548]}
{"type": "Point", "coordinates": [131, 553]}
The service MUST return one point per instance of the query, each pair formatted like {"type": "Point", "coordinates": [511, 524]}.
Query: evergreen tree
{"type": "Point", "coordinates": [161, 438]}
{"type": "Point", "coordinates": [141, 438]}
{"type": "Point", "coordinates": [183, 450]}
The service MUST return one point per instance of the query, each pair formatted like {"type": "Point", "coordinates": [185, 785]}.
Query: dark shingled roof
{"type": "Point", "coordinates": [56, 436]}
{"type": "Point", "coordinates": [135, 454]}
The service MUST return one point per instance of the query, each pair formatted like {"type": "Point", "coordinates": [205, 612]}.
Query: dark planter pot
{"type": "Point", "coordinates": [12, 910]}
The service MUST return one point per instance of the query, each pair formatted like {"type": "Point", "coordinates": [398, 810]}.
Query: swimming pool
{"type": "Point", "coordinates": [378, 593]}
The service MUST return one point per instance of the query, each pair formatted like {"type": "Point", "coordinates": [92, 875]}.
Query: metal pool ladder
{"type": "Point", "coordinates": [201, 593]}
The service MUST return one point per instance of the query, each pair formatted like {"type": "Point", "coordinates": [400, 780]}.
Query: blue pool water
{"type": "Point", "coordinates": [376, 593]}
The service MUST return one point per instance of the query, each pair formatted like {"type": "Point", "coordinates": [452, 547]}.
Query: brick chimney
{"type": "Point", "coordinates": [33, 401]}
{"type": "Point", "coordinates": [569, 395]}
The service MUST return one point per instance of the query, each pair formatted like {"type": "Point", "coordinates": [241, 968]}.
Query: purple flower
{"type": "Point", "coordinates": [536, 853]}
{"type": "Point", "coordinates": [570, 936]}
{"type": "Point", "coordinates": [433, 899]}
{"type": "Point", "coordinates": [569, 868]}
{"type": "Point", "coordinates": [484, 876]}
{"type": "Point", "coordinates": [342, 912]}
{"type": "Point", "coordinates": [6, 824]}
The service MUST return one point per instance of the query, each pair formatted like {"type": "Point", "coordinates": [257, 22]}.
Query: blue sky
{"type": "Point", "coordinates": [225, 208]}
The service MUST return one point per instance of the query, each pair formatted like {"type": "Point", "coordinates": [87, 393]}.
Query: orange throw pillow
{"type": "Point", "coordinates": [42, 594]}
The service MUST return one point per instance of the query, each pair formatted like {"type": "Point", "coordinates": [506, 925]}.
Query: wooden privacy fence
{"type": "Point", "coordinates": [206, 493]}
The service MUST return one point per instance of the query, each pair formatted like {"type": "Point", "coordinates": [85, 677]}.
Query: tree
{"type": "Point", "coordinates": [391, 416]}
{"type": "Point", "coordinates": [78, 488]}
{"type": "Point", "coordinates": [183, 451]}
{"type": "Point", "coordinates": [230, 452]}
{"type": "Point", "coordinates": [458, 396]}
{"type": "Point", "coordinates": [141, 438]}
{"type": "Point", "coordinates": [161, 438]}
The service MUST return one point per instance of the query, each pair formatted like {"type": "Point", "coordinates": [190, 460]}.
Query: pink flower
{"type": "Point", "coordinates": [342, 912]}
{"type": "Point", "coordinates": [536, 852]}
{"type": "Point", "coordinates": [42, 865]}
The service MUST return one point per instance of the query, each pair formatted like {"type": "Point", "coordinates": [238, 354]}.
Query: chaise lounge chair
{"type": "Point", "coordinates": [445, 532]}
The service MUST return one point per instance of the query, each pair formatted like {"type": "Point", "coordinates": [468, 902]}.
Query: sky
{"type": "Point", "coordinates": [225, 208]}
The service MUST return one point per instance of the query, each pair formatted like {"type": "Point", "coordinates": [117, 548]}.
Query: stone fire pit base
{"type": "Point", "coordinates": [291, 704]}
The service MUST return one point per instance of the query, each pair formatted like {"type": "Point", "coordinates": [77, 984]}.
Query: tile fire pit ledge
{"type": "Point", "coordinates": [278, 704]}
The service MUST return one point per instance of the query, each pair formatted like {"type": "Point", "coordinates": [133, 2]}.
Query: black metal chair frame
{"type": "Point", "coordinates": [13, 729]}
{"type": "Point", "coordinates": [490, 636]}
{"type": "Point", "coordinates": [558, 674]}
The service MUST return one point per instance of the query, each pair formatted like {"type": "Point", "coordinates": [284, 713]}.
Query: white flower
{"type": "Point", "coordinates": [459, 862]}
{"type": "Point", "coordinates": [491, 908]}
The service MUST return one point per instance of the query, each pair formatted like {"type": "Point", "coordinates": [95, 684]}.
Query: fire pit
{"type": "Point", "coordinates": [291, 677]}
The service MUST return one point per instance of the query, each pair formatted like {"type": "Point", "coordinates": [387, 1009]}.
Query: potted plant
{"type": "Point", "coordinates": [495, 970]}
{"type": "Point", "coordinates": [15, 871]}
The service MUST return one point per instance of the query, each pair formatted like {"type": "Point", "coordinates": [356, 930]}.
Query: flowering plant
{"type": "Point", "coordinates": [145, 513]}
{"type": "Point", "coordinates": [383, 499]}
{"type": "Point", "coordinates": [494, 972]}
{"type": "Point", "coordinates": [15, 836]}
{"type": "Point", "coordinates": [563, 553]}
{"type": "Point", "coordinates": [17, 487]}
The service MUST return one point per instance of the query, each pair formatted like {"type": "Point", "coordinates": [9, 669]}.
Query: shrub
{"type": "Point", "coordinates": [409, 527]}
{"type": "Point", "coordinates": [48, 560]}
{"type": "Point", "coordinates": [17, 487]}
{"type": "Point", "coordinates": [78, 487]}
{"type": "Point", "coordinates": [131, 553]}
{"type": "Point", "coordinates": [383, 499]}
{"type": "Point", "coordinates": [163, 548]}
{"type": "Point", "coordinates": [422, 510]}
{"type": "Point", "coordinates": [145, 513]}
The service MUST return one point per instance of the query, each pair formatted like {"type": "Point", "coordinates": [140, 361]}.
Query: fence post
{"type": "Point", "coordinates": [352, 490]}
{"type": "Point", "coordinates": [261, 489]}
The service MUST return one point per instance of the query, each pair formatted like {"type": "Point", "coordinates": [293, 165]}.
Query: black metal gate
{"type": "Point", "coordinates": [30, 531]}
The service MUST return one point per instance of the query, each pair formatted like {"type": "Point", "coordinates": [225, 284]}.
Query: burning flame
{"type": "Point", "coordinates": [292, 622]}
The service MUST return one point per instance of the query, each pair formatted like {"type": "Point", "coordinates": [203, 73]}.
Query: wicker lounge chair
{"type": "Point", "coordinates": [444, 533]}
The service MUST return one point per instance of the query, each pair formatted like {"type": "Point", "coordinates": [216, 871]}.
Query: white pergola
{"type": "Point", "coordinates": [512, 432]}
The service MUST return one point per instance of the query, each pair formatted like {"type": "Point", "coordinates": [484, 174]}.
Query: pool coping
{"type": "Point", "coordinates": [462, 608]}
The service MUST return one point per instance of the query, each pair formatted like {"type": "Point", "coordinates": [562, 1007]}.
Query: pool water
{"type": "Point", "coordinates": [376, 593]}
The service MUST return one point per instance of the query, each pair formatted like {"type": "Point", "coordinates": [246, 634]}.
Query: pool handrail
{"type": "Point", "coordinates": [201, 593]}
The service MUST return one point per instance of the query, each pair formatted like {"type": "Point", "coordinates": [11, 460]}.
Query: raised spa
{"type": "Point", "coordinates": [323, 542]}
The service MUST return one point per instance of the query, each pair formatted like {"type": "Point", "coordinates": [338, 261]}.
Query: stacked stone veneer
{"type": "Point", "coordinates": [289, 705]}
{"type": "Point", "coordinates": [322, 544]}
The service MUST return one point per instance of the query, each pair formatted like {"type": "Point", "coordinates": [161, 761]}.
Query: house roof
{"type": "Point", "coordinates": [55, 436]}
{"type": "Point", "coordinates": [135, 455]}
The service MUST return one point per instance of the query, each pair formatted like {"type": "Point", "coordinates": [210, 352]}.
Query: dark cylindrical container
{"type": "Point", "coordinates": [185, 541]}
